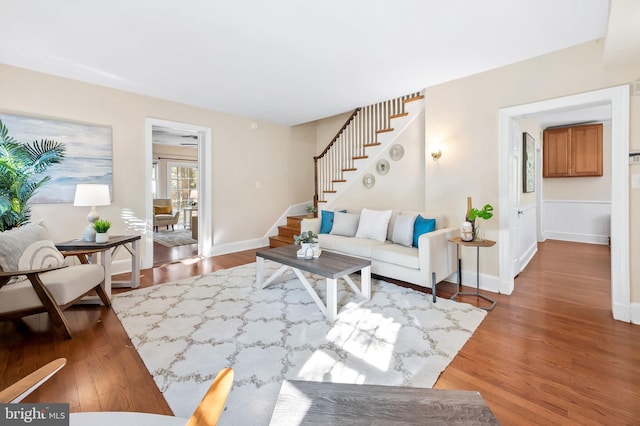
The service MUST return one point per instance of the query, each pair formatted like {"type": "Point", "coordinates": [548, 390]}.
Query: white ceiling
{"type": "Point", "coordinates": [286, 61]}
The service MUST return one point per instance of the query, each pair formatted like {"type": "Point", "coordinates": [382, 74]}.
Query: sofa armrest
{"type": "Point", "coordinates": [436, 254]}
{"type": "Point", "coordinates": [311, 224]}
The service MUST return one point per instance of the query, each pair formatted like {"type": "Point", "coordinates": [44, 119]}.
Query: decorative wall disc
{"type": "Point", "coordinates": [396, 152]}
{"type": "Point", "coordinates": [368, 180]}
{"type": "Point", "coordinates": [382, 167]}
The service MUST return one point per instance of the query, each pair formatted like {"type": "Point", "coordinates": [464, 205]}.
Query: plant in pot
{"type": "Point", "coordinates": [21, 166]}
{"type": "Point", "coordinates": [311, 210]}
{"type": "Point", "coordinates": [485, 213]}
{"type": "Point", "coordinates": [101, 227]}
{"type": "Point", "coordinates": [307, 241]}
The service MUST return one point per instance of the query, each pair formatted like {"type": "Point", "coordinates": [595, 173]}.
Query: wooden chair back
{"type": "Point", "coordinates": [210, 408]}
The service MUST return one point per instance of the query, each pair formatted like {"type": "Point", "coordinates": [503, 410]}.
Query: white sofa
{"type": "Point", "coordinates": [426, 265]}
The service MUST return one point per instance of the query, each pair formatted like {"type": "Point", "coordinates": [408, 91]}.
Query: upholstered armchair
{"type": "Point", "coordinates": [34, 278]}
{"type": "Point", "coordinates": [163, 214]}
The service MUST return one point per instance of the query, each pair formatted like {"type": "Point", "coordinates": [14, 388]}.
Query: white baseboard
{"type": "Point", "coordinates": [577, 238]}
{"type": "Point", "coordinates": [239, 246]}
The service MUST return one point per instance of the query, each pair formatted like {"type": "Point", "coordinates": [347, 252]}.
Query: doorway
{"type": "Point", "coordinates": [187, 198]}
{"type": "Point", "coordinates": [618, 100]}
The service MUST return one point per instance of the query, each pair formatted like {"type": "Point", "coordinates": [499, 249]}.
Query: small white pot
{"type": "Point", "coordinates": [102, 238]}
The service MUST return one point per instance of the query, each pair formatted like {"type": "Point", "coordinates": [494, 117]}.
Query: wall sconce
{"type": "Point", "coordinates": [435, 152]}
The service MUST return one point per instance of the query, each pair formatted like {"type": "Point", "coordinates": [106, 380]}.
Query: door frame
{"type": "Point", "coordinates": [618, 99]}
{"type": "Point", "coordinates": [205, 185]}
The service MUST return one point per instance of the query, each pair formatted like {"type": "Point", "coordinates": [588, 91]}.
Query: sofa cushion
{"type": "Point", "coordinates": [360, 247]}
{"type": "Point", "coordinates": [422, 226]}
{"type": "Point", "coordinates": [14, 242]}
{"type": "Point", "coordinates": [373, 224]}
{"type": "Point", "coordinates": [327, 221]}
{"type": "Point", "coordinates": [397, 255]}
{"type": "Point", "coordinates": [403, 230]}
{"type": "Point", "coordinates": [345, 224]}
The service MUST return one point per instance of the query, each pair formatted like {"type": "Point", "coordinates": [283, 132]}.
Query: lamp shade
{"type": "Point", "coordinates": [92, 195]}
{"type": "Point", "coordinates": [193, 193]}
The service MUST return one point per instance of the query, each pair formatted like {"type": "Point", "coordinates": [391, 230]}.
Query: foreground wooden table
{"type": "Point", "coordinates": [315, 403]}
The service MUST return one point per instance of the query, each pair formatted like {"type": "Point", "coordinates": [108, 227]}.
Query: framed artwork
{"type": "Point", "coordinates": [528, 163]}
{"type": "Point", "coordinates": [88, 154]}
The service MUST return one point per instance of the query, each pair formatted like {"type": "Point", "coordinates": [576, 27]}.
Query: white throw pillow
{"type": "Point", "coordinates": [403, 230]}
{"type": "Point", "coordinates": [373, 224]}
{"type": "Point", "coordinates": [345, 224]}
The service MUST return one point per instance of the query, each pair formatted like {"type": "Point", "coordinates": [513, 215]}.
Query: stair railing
{"type": "Point", "coordinates": [360, 130]}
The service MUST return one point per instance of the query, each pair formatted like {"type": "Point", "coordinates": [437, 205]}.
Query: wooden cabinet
{"type": "Point", "coordinates": [572, 151]}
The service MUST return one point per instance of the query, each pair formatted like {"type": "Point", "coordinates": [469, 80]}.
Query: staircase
{"type": "Point", "coordinates": [286, 232]}
{"type": "Point", "coordinates": [358, 144]}
{"type": "Point", "coordinates": [356, 147]}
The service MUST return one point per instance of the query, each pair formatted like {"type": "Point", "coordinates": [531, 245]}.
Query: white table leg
{"type": "Point", "coordinates": [365, 282]}
{"type": "Point", "coordinates": [332, 299]}
{"type": "Point", "coordinates": [135, 264]}
{"type": "Point", "coordinates": [106, 264]}
{"type": "Point", "coordinates": [259, 271]}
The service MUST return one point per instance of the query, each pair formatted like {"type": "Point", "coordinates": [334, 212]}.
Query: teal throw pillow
{"type": "Point", "coordinates": [422, 226]}
{"type": "Point", "coordinates": [327, 221]}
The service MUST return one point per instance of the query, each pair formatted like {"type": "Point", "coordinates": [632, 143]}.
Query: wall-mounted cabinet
{"type": "Point", "coordinates": [572, 151]}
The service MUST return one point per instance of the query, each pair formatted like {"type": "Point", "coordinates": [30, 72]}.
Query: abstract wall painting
{"type": "Point", "coordinates": [88, 156]}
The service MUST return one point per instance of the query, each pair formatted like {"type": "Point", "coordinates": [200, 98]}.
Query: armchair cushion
{"type": "Point", "coordinates": [162, 210]}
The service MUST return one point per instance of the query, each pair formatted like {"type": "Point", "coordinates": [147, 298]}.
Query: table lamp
{"type": "Point", "coordinates": [91, 195]}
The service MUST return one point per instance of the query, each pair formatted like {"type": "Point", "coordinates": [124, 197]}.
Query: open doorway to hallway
{"type": "Point", "coordinates": [178, 195]}
{"type": "Point", "coordinates": [174, 188]}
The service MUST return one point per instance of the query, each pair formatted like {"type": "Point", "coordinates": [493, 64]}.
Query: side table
{"type": "Point", "coordinates": [477, 244]}
{"type": "Point", "coordinates": [86, 252]}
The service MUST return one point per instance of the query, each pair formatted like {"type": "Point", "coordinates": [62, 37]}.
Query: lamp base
{"type": "Point", "coordinates": [89, 234]}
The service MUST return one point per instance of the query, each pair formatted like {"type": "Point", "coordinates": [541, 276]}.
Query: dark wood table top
{"type": "Point", "coordinates": [329, 265]}
{"type": "Point", "coordinates": [87, 246]}
{"type": "Point", "coordinates": [315, 403]}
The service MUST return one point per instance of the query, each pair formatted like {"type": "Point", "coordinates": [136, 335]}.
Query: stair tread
{"type": "Point", "coordinates": [402, 114]}
{"type": "Point", "coordinates": [372, 144]}
{"type": "Point", "coordinates": [390, 129]}
{"type": "Point", "coordinates": [360, 157]}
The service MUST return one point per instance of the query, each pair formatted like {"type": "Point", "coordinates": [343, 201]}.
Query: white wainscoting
{"type": "Point", "coordinates": [577, 221]}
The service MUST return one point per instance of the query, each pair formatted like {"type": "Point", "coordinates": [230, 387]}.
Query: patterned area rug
{"type": "Point", "coordinates": [188, 330]}
{"type": "Point", "coordinates": [174, 238]}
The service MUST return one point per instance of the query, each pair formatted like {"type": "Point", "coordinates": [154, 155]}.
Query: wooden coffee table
{"type": "Point", "coordinates": [332, 266]}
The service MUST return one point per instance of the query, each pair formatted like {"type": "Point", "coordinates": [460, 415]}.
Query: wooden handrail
{"type": "Point", "coordinates": [335, 138]}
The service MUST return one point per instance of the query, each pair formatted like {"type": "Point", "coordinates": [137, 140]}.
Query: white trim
{"type": "Point", "coordinates": [205, 185]}
{"type": "Point", "coordinates": [618, 98]}
{"type": "Point", "coordinates": [635, 313]}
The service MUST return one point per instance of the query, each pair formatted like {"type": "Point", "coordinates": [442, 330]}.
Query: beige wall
{"type": "Point", "coordinates": [278, 157]}
{"type": "Point", "coordinates": [464, 115]}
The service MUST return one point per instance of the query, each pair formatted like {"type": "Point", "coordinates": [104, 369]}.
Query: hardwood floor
{"type": "Point", "coordinates": [550, 353]}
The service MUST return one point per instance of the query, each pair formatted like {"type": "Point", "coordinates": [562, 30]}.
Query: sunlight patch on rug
{"type": "Point", "coordinates": [186, 331]}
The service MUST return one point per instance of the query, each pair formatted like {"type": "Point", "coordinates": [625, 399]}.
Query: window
{"type": "Point", "coordinates": [183, 178]}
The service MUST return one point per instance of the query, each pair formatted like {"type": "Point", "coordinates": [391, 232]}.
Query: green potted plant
{"type": "Point", "coordinates": [307, 237]}
{"type": "Point", "coordinates": [311, 210]}
{"type": "Point", "coordinates": [101, 227]}
{"type": "Point", "coordinates": [485, 213]}
{"type": "Point", "coordinates": [21, 168]}
{"type": "Point", "coordinates": [307, 241]}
